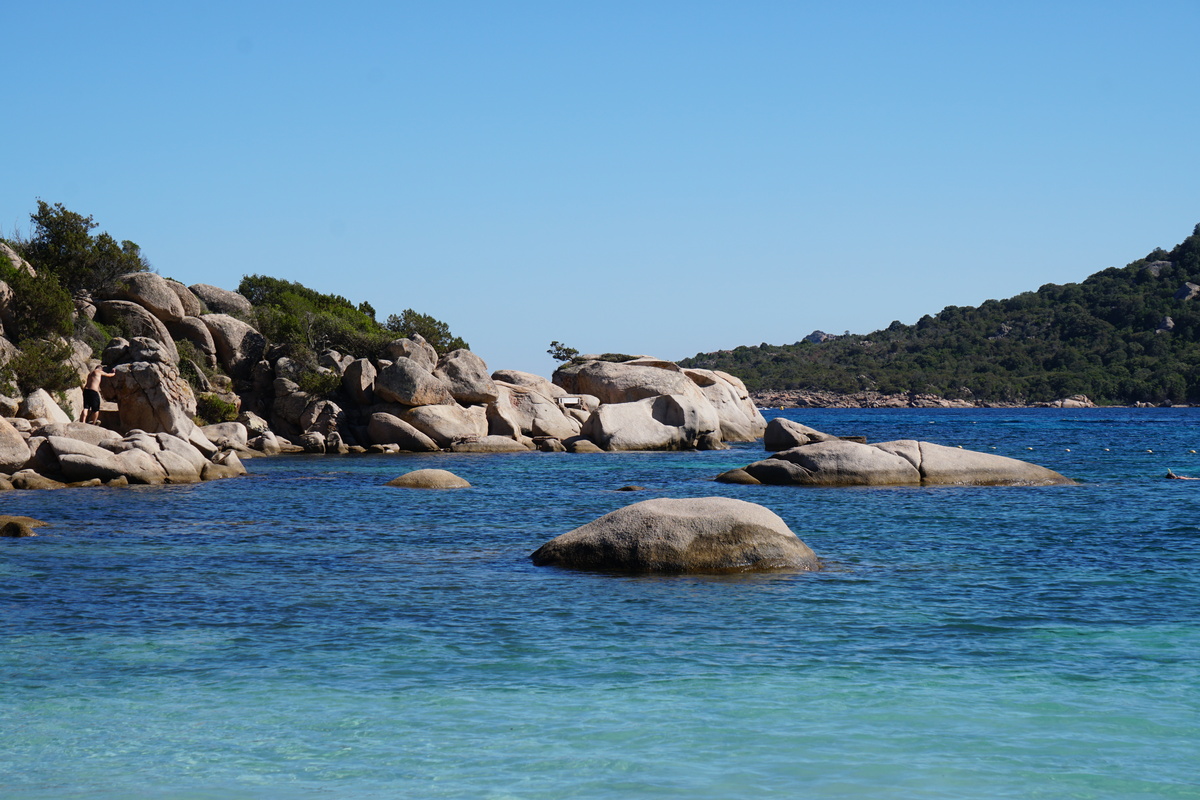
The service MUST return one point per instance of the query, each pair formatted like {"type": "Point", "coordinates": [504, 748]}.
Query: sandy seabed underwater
{"type": "Point", "coordinates": [307, 632]}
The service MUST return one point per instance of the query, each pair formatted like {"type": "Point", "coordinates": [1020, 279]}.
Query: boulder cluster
{"type": "Point", "coordinates": [409, 398]}
{"type": "Point", "coordinates": [413, 400]}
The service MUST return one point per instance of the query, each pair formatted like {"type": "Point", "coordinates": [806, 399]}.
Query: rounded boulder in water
{"type": "Point", "coordinates": [429, 479]}
{"type": "Point", "coordinates": [706, 534]}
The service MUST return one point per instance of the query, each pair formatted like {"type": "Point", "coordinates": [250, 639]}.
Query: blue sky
{"type": "Point", "coordinates": [643, 177]}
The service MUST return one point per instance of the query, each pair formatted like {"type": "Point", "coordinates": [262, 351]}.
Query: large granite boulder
{"type": "Point", "coordinates": [466, 376]}
{"type": "Point", "coordinates": [668, 422]}
{"type": "Point", "coordinates": [151, 396]}
{"type": "Point", "coordinates": [625, 382]}
{"type": "Point", "coordinates": [239, 346]}
{"type": "Point", "coordinates": [943, 465]}
{"type": "Point", "coordinates": [414, 347]}
{"type": "Point", "coordinates": [137, 322]}
{"type": "Point", "coordinates": [39, 404]}
{"type": "Point", "coordinates": [191, 305]}
{"type": "Point", "coordinates": [528, 380]}
{"type": "Point", "coordinates": [92, 434]}
{"type": "Point", "coordinates": [287, 406]}
{"type": "Point", "coordinates": [447, 424]}
{"type": "Point", "coordinates": [224, 464]}
{"type": "Point", "coordinates": [9, 254]}
{"type": "Point", "coordinates": [838, 462]}
{"type": "Point", "coordinates": [359, 381]}
{"type": "Point", "coordinates": [152, 292]}
{"type": "Point", "coordinates": [193, 329]}
{"type": "Point", "coordinates": [8, 350]}
{"type": "Point", "coordinates": [385, 428]}
{"type": "Point", "coordinates": [9, 324]}
{"type": "Point", "coordinates": [707, 534]}
{"type": "Point", "coordinates": [227, 434]}
{"type": "Point", "coordinates": [14, 450]}
{"type": "Point", "coordinates": [222, 301]}
{"type": "Point", "coordinates": [784, 434]}
{"type": "Point", "coordinates": [741, 421]}
{"type": "Point", "coordinates": [523, 411]}
{"type": "Point", "coordinates": [139, 457]}
{"type": "Point", "coordinates": [409, 383]}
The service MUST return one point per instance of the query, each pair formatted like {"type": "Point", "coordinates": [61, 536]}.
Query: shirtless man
{"type": "Point", "coordinates": [91, 394]}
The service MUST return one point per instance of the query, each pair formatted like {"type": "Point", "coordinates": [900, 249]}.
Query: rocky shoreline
{"type": "Point", "coordinates": [406, 397]}
{"type": "Point", "coordinates": [804, 398]}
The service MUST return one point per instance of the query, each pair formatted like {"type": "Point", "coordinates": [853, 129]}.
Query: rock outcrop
{"type": "Point", "coordinates": [708, 534]}
{"type": "Point", "coordinates": [75, 454]}
{"type": "Point", "coordinates": [153, 293]}
{"type": "Point", "coordinates": [466, 376]}
{"type": "Point", "coordinates": [138, 322]}
{"type": "Point", "coordinates": [830, 461]}
{"type": "Point", "coordinates": [239, 346]}
{"type": "Point", "coordinates": [650, 404]}
{"type": "Point", "coordinates": [666, 422]}
{"type": "Point", "coordinates": [385, 428]}
{"type": "Point", "coordinates": [14, 451]}
{"type": "Point", "coordinates": [409, 383]}
{"type": "Point", "coordinates": [222, 301]}
{"type": "Point", "coordinates": [151, 395]}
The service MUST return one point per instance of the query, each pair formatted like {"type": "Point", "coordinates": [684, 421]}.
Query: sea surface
{"type": "Point", "coordinates": [307, 632]}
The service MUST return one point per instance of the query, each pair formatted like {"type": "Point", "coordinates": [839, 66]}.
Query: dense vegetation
{"type": "Point", "coordinates": [63, 245]}
{"type": "Point", "coordinates": [69, 258]}
{"type": "Point", "coordinates": [1105, 337]}
{"type": "Point", "coordinates": [289, 312]}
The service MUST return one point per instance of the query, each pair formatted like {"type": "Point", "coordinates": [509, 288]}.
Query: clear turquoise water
{"type": "Point", "coordinates": [306, 632]}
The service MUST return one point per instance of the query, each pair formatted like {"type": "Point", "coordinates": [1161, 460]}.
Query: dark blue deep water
{"type": "Point", "coordinates": [307, 632]}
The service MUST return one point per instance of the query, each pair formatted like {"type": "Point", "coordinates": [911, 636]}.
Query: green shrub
{"type": "Point", "coordinates": [42, 308]}
{"type": "Point", "coordinates": [211, 409]}
{"type": "Point", "coordinates": [41, 364]}
{"type": "Point", "coordinates": [319, 384]}
{"type": "Point", "coordinates": [290, 313]}
{"type": "Point", "coordinates": [188, 352]}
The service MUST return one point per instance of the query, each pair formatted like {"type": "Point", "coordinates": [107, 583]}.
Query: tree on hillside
{"type": "Point", "coordinates": [287, 312]}
{"type": "Point", "coordinates": [436, 332]}
{"type": "Point", "coordinates": [62, 243]}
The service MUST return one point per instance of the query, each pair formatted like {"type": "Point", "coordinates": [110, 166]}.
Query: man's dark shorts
{"type": "Point", "coordinates": [91, 399]}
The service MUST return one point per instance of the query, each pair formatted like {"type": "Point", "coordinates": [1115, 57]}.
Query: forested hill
{"type": "Point", "coordinates": [1123, 335]}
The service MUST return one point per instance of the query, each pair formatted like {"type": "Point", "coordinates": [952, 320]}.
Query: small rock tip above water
{"type": "Point", "coordinates": [429, 479]}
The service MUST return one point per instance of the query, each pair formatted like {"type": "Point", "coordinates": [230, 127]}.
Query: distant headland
{"type": "Point", "coordinates": [1124, 336]}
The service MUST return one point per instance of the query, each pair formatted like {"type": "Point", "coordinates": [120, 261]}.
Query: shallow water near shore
{"type": "Point", "coordinates": [307, 632]}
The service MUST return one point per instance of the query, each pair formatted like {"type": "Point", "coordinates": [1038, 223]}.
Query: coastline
{"type": "Point", "coordinates": [806, 398]}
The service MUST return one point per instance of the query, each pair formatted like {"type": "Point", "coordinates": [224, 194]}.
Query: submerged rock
{"type": "Point", "coordinates": [489, 444]}
{"type": "Point", "coordinates": [16, 527]}
{"type": "Point", "coordinates": [706, 534]}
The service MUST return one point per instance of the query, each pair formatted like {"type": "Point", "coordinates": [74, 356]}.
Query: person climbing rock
{"type": "Point", "coordinates": [91, 394]}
